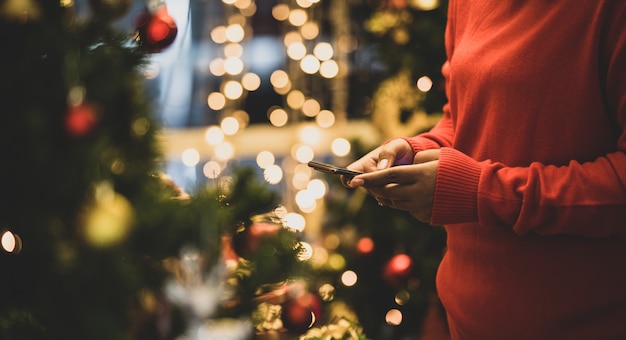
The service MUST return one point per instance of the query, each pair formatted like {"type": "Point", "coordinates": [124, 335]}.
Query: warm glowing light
{"type": "Point", "coordinates": [9, 242]}
{"type": "Point", "coordinates": [216, 101]}
{"type": "Point", "coordinates": [306, 252]}
{"type": "Point", "coordinates": [365, 245]}
{"type": "Point", "coordinates": [278, 117]}
{"type": "Point", "coordinates": [325, 119]}
{"type": "Point", "coordinates": [216, 67]}
{"type": "Point", "coordinates": [327, 292]}
{"type": "Point", "coordinates": [309, 64]}
{"type": "Point", "coordinates": [305, 200]}
{"type": "Point", "coordinates": [340, 147]}
{"type": "Point", "coordinates": [292, 38]}
{"type": "Point", "coordinates": [273, 174]}
{"type": "Point", "coordinates": [393, 317]}
{"type": "Point", "coordinates": [233, 50]}
{"type": "Point", "coordinates": [295, 99]}
{"type": "Point", "coordinates": [425, 5]}
{"type": "Point", "coordinates": [251, 81]}
{"type": "Point", "coordinates": [229, 125]}
{"type": "Point", "coordinates": [190, 157]}
{"type": "Point", "coordinates": [310, 30]}
{"type": "Point", "coordinates": [243, 4]}
{"type": "Point", "coordinates": [332, 241]}
{"type": "Point", "coordinates": [424, 84]}
{"type": "Point", "coordinates": [280, 12]}
{"type": "Point", "coordinates": [310, 135]}
{"type": "Point", "coordinates": [311, 107]}
{"type": "Point", "coordinates": [329, 69]}
{"type": "Point", "coordinates": [304, 3]}
{"type": "Point", "coordinates": [300, 180]}
{"type": "Point", "coordinates": [233, 89]}
{"type": "Point", "coordinates": [229, 2]}
{"type": "Point", "coordinates": [109, 221]}
{"type": "Point", "coordinates": [211, 169]}
{"type": "Point", "coordinates": [214, 135]}
{"type": "Point", "coordinates": [264, 159]}
{"type": "Point", "coordinates": [224, 151]}
{"type": "Point", "coordinates": [218, 35]}
{"type": "Point", "coordinates": [279, 78]}
{"type": "Point", "coordinates": [235, 33]}
{"type": "Point", "coordinates": [323, 51]}
{"type": "Point", "coordinates": [304, 153]}
{"type": "Point", "coordinates": [296, 51]}
{"type": "Point", "coordinates": [233, 65]}
{"type": "Point", "coordinates": [317, 188]}
{"type": "Point", "coordinates": [336, 262]}
{"type": "Point", "coordinates": [402, 297]}
{"type": "Point", "coordinates": [294, 221]}
{"type": "Point", "coordinates": [242, 117]}
{"type": "Point", "coordinates": [349, 278]}
{"type": "Point", "coordinates": [298, 17]}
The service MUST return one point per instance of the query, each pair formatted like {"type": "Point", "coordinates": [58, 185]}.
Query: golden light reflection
{"type": "Point", "coordinates": [295, 99]}
{"type": "Point", "coordinates": [233, 89]}
{"type": "Point", "coordinates": [216, 67]}
{"type": "Point", "coordinates": [225, 151]}
{"type": "Point", "coordinates": [425, 5]}
{"type": "Point", "coordinates": [317, 188]}
{"type": "Point", "coordinates": [325, 119]}
{"type": "Point", "coordinates": [424, 84]}
{"type": "Point", "coordinates": [190, 157]}
{"type": "Point", "coordinates": [310, 30]}
{"type": "Point", "coordinates": [230, 126]}
{"type": "Point", "coordinates": [329, 69]}
{"type": "Point", "coordinates": [216, 101]}
{"type": "Point", "coordinates": [304, 3]}
{"type": "Point", "coordinates": [218, 35]}
{"type": "Point", "coordinates": [393, 317]}
{"type": "Point", "coordinates": [233, 50]}
{"type": "Point", "coordinates": [310, 135]}
{"type": "Point", "coordinates": [305, 200]}
{"type": "Point", "coordinates": [306, 253]}
{"type": "Point", "coordinates": [294, 221]}
{"type": "Point", "coordinates": [264, 159]}
{"type": "Point", "coordinates": [212, 169]}
{"type": "Point", "coordinates": [311, 107]}
{"type": "Point", "coordinates": [214, 135]}
{"type": "Point", "coordinates": [273, 174]}
{"type": "Point", "coordinates": [296, 50]}
{"type": "Point", "coordinates": [336, 262]}
{"type": "Point", "coordinates": [303, 153]}
{"type": "Point", "coordinates": [251, 81]}
{"type": "Point", "coordinates": [11, 243]}
{"type": "Point", "coordinates": [402, 297]}
{"type": "Point", "coordinates": [235, 33]}
{"type": "Point", "coordinates": [278, 117]}
{"type": "Point", "coordinates": [332, 241]}
{"type": "Point", "coordinates": [323, 51]}
{"type": "Point", "coordinates": [349, 278]}
{"type": "Point", "coordinates": [340, 147]}
{"type": "Point", "coordinates": [298, 17]}
{"type": "Point", "coordinates": [233, 65]}
{"type": "Point", "coordinates": [279, 78]}
{"type": "Point", "coordinates": [327, 292]}
{"type": "Point", "coordinates": [309, 64]}
{"type": "Point", "coordinates": [280, 12]}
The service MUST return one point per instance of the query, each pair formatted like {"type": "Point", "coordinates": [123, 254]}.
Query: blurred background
{"type": "Point", "coordinates": [194, 91]}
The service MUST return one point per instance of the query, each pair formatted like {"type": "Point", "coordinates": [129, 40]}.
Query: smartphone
{"type": "Point", "coordinates": [332, 169]}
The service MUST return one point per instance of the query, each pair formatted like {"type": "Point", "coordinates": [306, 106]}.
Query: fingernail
{"type": "Point", "coordinates": [383, 163]}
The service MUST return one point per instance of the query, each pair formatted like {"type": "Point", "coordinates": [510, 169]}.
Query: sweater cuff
{"type": "Point", "coordinates": [456, 189]}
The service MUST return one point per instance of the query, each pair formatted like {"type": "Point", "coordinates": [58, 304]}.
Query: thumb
{"type": "Point", "coordinates": [426, 156]}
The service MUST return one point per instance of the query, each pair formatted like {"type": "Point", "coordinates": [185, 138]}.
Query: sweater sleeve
{"type": "Point", "coordinates": [579, 198]}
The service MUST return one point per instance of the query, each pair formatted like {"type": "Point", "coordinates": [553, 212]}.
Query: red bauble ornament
{"type": "Point", "coordinates": [248, 241]}
{"type": "Point", "coordinates": [155, 31]}
{"type": "Point", "coordinates": [80, 119]}
{"type": "Point", "coordinates": [301, 312]}
{"type": "Point", "coordinates": [397, 269]}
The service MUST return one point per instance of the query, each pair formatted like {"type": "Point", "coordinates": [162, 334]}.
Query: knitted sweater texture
{"type": "Point", "coordinates": [531, 185]}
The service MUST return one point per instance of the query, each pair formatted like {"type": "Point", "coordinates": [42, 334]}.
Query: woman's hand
{"type": "Point", "coordinates": [406, 187]}
{"type": "Point", "coordinates": [395, 152]}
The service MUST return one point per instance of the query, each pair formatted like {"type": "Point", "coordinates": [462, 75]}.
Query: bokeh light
{"type": "Point", "coordinates": [294, 221]}
{"type": "Point", "coordinates": [213, 135]}
{"type": "Point", "coordinates": [190, 157]}
{"type": "Point", "coordinates": [393, 317]}
{"type": "Point", "coordinates": [340, 147]}
{"type": "Point", "coordinates": [349, 278]}
{"type": "Point", "coordinates": [265, 159]}
{"type": "Point", "coordinates": [212, 169]}
{"type": "Point", "coordinates": [273, 174]}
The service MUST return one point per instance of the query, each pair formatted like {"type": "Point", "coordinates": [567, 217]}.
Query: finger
{"type": "Point", "coordinates": [426, 156]}
{"type": "Point", "coordinates": [395, 152]}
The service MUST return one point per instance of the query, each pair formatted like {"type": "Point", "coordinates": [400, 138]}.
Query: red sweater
{"type": "Point", "coordinates": [531, 185]}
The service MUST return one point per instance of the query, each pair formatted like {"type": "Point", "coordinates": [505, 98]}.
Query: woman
{"type": "Point", "coordinates": [526, 170]}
